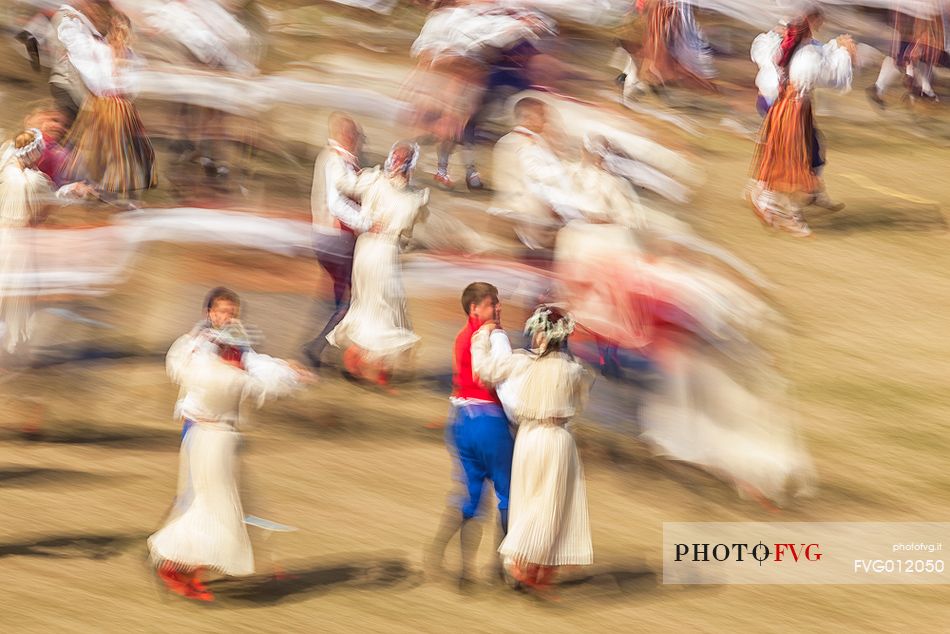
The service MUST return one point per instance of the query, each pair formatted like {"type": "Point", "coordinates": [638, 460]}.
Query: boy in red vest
{"type": "Point", "coordinates": [479, 436]}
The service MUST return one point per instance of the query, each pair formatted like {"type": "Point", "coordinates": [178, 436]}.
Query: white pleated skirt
{"type": "Point", "coordinates": [207, 527]}
{"type": "Point", "coordinates": [548, 523]}
{"type": "Point", "coordinates": [377, 320]}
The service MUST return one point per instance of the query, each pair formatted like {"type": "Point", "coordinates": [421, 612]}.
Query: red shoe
{"type": "Point", "coordinates": [353, 361]}
{"type": "Point", "coordinates": [442, 178]}
{"type": "Point", "coordinates": [199, 595]}
{"type": "Point", "coordinates": [174, 580]}
{"type": "Point", "coordinates": [197, 590]}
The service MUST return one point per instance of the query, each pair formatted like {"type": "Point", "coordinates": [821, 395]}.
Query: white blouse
{"type": "Point", "coordinates": [553, 388]}
{"type": "Point", "coordinates": [816, 65]}
{"type": "Point", "coordinates": [391, 204]}
{"type": "Point", "coordinates": [212, 390]}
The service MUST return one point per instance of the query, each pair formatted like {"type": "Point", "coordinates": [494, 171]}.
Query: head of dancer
{"type": "Point", "coordinates": [532, 114]}
{"type": "Point", "coordinates": [480, 302]}
{"type": "Point", "coordinates": [224, 309]}
{"type": "Point", "coordinates": [345, 131]}
{"type": "Point", "coordinates": [99, 12]}
{"type": "Point", "coordinates": [222, 306]}
{"type": "Point", "coordinates": [28, 146]}
{"type": "Point", "coordinates": [402, 160]}
{"type": "Point", "coordinates": [549, 328]}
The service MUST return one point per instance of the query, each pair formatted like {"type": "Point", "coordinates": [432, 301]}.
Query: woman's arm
{"type": "Point", "coordinates": [491, 368]}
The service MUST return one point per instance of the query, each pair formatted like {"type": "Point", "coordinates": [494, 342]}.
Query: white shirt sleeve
{"type": "Point", "coordinates": [91, 58]}
{"type": "Point", "coordinates": [545, 177]}
{"type": "Point", "coordinates": [341, 184]}
{"type": "Point", "coordinates": [491, 366]}
{"type": "Point", "coordinates": [836, 71]}
{"type": "Point", "coordinates": [827, 66]}
{"type": "Point", "coordinates": [267, 377]}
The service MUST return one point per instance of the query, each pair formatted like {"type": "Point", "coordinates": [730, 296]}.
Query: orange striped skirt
{"type": "Point", "coordinates": [658, 66]}
{"type": "Point", "coordinates": [109, 147]}
{"type": "Point", "coordinates": [783, 158]}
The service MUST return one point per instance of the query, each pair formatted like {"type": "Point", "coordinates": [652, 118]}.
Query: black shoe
{"type": "Point", "coordinates": [32, 49]}
{"type": "Point", "coordinates": [312, 358]}
{"type": "Point", "coordinates": [621, 79]}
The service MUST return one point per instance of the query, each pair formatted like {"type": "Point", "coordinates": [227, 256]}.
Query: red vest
{"type": "Point", "coordinates": [464, 383]}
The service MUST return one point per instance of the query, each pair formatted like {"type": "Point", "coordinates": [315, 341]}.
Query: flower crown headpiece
{"type": "Point", "coordinates": [32, 150]}
{"type": "Point", "coordinates": [410, 163]}
{"type": "Point", "coordinates": [540, 322]}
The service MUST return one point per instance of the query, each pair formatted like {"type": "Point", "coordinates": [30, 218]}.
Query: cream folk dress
{"type": "Point", "coordinates": [377, 320]}
{"type": "Point", "coordinates": [22, 193]}
{"type": "Point", "coordinates": [548, 522]}
{"type": "Point", "coordinates": [206, 528]}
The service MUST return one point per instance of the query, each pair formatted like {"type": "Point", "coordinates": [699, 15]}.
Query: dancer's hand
{"type": "Point", "coordinates": [488, 326]}
{"type": "Point", "coordinates": [847, 43]}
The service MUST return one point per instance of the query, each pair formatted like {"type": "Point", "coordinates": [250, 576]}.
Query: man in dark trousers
{"type": "Point", "coordinates": [337, 218]}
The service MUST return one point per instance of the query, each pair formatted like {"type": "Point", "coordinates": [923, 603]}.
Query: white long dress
{"type": "Point", "coordinates": [548, 523]}
{"type": "Point", "coordinates": [377, 320]}
{"type": "Point", "coordinates": [206, 528]}
{"type": "Point", "coordinates": [21, 193]}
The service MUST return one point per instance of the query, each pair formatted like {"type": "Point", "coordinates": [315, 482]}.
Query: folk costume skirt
{"type": "Point", "coordinates": [789, 152]}
{"type": "Point", "coordinates": [548, 522]}
{"type": "Point", "coordinates": [110, 148]}
{"type": "Point", "coordinates": [206, 527]}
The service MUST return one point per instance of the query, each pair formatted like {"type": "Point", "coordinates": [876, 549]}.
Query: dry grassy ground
{"type": "Point", "coordinates": [365, 480]}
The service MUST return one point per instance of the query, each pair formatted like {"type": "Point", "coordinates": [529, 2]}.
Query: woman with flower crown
{"type": "Point", "coordinates": [24, 190]}
{"type": "Point", "coordinates": [548, 525]}
{"type": "Point", "coordinates": [376, 331]}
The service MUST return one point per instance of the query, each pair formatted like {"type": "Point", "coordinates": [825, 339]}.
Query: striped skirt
{"type": "Point", "coordinates": [548, 522]}
{"type": "Point", "coordinates": [658, 63]}
{"type": "Point", "coordinates": [786, 154]}
{"type": "Point", "coordinates": [109, 147]}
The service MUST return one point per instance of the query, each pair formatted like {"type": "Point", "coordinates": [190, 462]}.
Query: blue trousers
{"type": "Point", "coordinates": [480, 436]}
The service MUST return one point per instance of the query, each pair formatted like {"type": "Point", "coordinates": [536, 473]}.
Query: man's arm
{"type": "Point", "coordinates": [341, 183]}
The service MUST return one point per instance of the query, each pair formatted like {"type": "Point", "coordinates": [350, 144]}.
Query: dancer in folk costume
{"type": "Point", "coordinates": [479, 436]}
{"type": "Point", "coordinates": [376, 331]}
{"type": "Point", "coordinates": [217, 369]}
{"type": "Point", "coordinates": [593, 257]}
{"type": "Point", "coordinates": [108, 141]}
{"type": "Point", "coordinates": [789, 157]}
{"type": "Point", "coordinates": [548, 523]}
{"type": "Point", "coordinates": [673, 49]}
{"type": "Point", "coordinates": [22, 187]}
{"type": "Point", "coordinates": [919, 43]}
{"type": "Point", "coordinates": [24, 190]}
{"type": "Point", "coordinates": [531, 182]}
{"type": "Point", "coordinates": [466, 55]}
{"type": "Point", "coordinates": [338, 219]}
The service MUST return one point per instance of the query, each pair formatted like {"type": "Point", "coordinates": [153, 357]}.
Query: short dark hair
{"type": "Point", "coordinates": [220, 293]}
{"type": "Point", "coordinates": [475, 293]}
